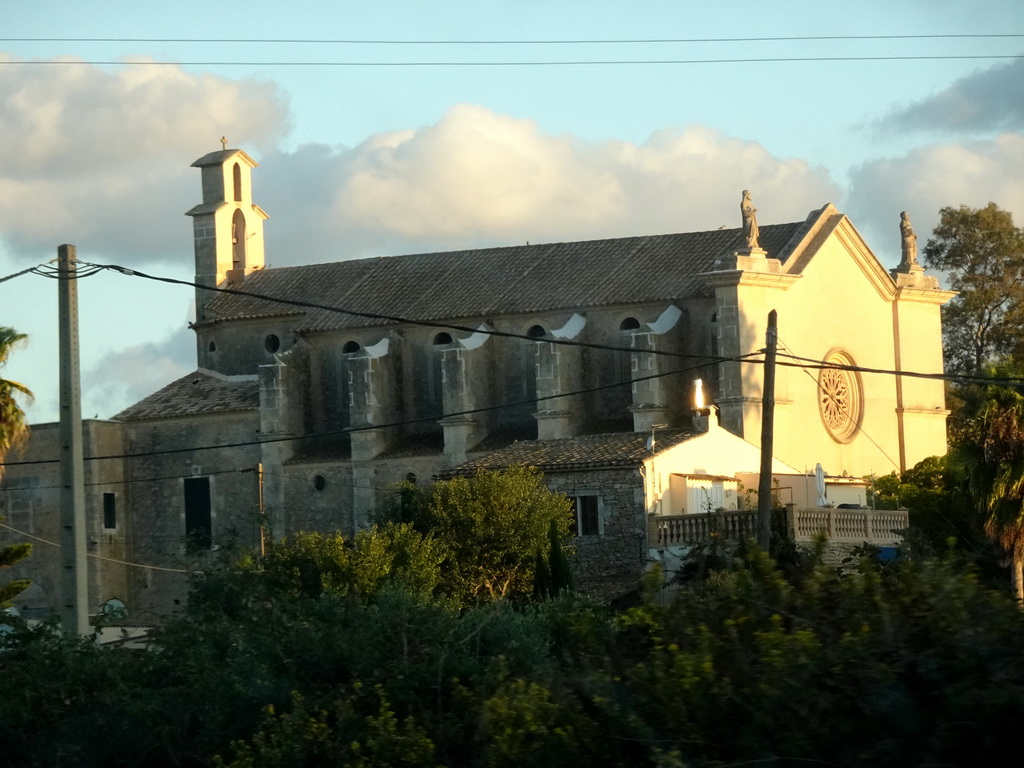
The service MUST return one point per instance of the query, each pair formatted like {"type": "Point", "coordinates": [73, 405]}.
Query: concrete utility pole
{"type": "Point", "coordinates": [764, 485]}
{"type": "Point", "coordinates": [262, 512]}
{"type": "Point", "coordinates": [74, 590]}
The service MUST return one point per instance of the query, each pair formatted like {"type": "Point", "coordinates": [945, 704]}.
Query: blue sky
{"type": "Point", "coordinates": [367, 150]}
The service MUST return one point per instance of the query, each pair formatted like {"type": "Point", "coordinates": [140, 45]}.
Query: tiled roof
{"type": "Point", "coordinates": [621, 450]}
{"type": "Point", "coordinates": [195, 394]}
{"type": "Point", "coordinates": [494, 281]}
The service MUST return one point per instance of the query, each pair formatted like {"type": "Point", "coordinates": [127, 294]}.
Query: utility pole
{"type": "Point", "coordinates": [764, 485]}
{"type": "Point", "coordinates": [74, 577]}
{"type": "Point", "coordinates": [262, 512]}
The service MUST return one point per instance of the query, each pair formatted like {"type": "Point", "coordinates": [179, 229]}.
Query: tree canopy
{"type": "Point", "coordinates": [13, 425]}
{"type": "Point", "coordinates": [304, 663]}
{"type": "Point", "coordinates": [987, 461]}
{"type": "Point", "coordinates": [982, 254]}
{"type": "Point", "coordinates": [13, 432]}
{"type": "Point", "coordinates": [491, 526]}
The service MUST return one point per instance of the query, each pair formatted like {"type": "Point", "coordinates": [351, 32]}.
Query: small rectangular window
{"type": "Point", "coordinates": [198, 521]}
{"type": "Point", "coordinates": [586, 515]}
{"type": "Point", "coordinates": [109, 511]}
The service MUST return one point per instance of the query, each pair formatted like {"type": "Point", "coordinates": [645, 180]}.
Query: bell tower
{"type": "Point", "coordinates": [228, 227]}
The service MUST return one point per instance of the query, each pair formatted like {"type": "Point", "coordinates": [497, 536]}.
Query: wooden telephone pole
{"type": "Point", "coordinates": [74, 590]}
{"type": "Point", "coordinates": [764, 485]}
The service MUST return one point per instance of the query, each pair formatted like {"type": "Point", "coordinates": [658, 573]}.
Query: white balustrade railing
{"type": "Point", "coordinates": [870, 526]}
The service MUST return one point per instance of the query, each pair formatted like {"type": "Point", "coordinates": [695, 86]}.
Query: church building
{"type": "Point", "coordinates": [318, 388]}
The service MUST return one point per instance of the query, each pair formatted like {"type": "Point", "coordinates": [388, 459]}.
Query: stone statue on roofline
{"type": "Point", "coordinates": [909, 243]}
{"type": "Point", "coordinates": [910, 273]}
{"type": "Point", "coordinates": [749, 212]}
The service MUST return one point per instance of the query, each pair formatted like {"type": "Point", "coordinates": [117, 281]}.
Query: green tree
{"type": "Point", "coordinates": [9, 556]}
{"type": "Point", "coordinates": [310, 564]}
{"type": "Point", "coordinates": [982, 254]}
{"type": "Point", "coordinates": [552, 574]}
{"type": "Point", "coordinates": [13, 432]}
{"type": "Point", "coordinates": [492, 527]}
{"type": "Point", "coordinates": [13, 426]}
{"type": "Point", "coordinates": [988, 459]}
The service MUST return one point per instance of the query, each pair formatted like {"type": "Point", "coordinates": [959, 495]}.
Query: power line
{"type": "Point", "coordinates": [811, 363]}
{"type": "Point", "coordinates": [539, 63]}
{"type": "Point", "coordinates": [860, 427]}
{"type": "Point", "coordinates": [618, 41]}
{"type": "Point", "coordinates": [350, 429]}
{"type": "Point", "coordinates": [710, 359]}
{"type": "Point", "coordinates": [47, 270]}
{"type": "Point", "coordinates": [89, 554]}
{"type": "Point", "coordinates": [25, 271]}
{"type": "Point", "coordinates": [122, 482]}
{"type": "Point", "coordinates": [803, 362]}
{"type": "Point", "coordinates": [397, 319]}
{"type": "Point", "coordinates": [211, 473]}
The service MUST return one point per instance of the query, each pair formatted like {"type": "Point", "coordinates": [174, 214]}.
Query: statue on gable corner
{"type": "Point", "coordinates": [909, 241]}
{"type": "Point", "coordinates": [749, 212]}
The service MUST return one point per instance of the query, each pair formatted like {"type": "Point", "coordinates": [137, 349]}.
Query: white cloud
{"type": "Point", "coordinates": [932, 177]}
{"type": "Point", "coordinates": [477, 177]}
{"type": "Point", "coordinates": [100, 158]}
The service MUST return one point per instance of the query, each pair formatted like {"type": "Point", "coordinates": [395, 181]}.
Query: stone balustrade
{"type": "Point", "coordinates": [854, 526]}
{"type": "Point", "coordinates": [872, 526]}
{"type": "Point", "coordinates": [673, 530]}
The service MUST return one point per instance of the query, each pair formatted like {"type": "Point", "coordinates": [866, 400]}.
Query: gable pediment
{"type": "Point", "coordinates": [831, 225]}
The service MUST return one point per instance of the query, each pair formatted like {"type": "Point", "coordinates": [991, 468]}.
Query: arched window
{"type": "Point", "coordinates": [629, 324]}
{"type": "Point", "coordinates": [536, 332]}
{"type": "Point", "coordinates": [350, 347]}
{"type": "Point", "coordinates": [236, 174]}
{"type": "Point", "coordinates": [272, 343]}
{"type": "Point", "coordinates": [238, 241]}
{"type": "Point", "coordinates": [442, 338]}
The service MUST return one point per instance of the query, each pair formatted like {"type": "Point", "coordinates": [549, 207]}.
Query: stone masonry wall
{"type": "Point", "coordinates": [608, 564]}
{"type": "Point", "coordinates": [157, 507]}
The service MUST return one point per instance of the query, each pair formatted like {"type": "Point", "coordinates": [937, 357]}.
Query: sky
{"type": "Point", "coordinates": [386, 128]}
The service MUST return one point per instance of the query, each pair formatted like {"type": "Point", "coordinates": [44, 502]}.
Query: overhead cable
{"type": "Point", "coordinates": [535, 63]}
{"type": "Point", "coordinates": [617, 41]}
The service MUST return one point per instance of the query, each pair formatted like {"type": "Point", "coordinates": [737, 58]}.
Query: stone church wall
{"type": "Point", "coordinates": [157, 499]}
{"type": "Point", "coordinates": [31, 503]}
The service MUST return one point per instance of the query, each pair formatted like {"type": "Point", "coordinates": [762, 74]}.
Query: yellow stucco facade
{"type": "Point", "coordinates": [835, 302]}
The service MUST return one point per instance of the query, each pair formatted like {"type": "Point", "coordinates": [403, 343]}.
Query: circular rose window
{"type": "Point", "coordinates": [839, 398]}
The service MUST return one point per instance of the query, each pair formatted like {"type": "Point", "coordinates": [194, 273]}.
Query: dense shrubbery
{"type": "Point", "coordinates": [332, 654]}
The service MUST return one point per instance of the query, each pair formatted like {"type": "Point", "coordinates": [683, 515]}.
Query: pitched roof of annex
{"type": "Point", "coordinates": [620, 450]}
{"type": "Point", "coordinates": [198, 393]}
{"type": "Point", "coordinates": [488, 282]}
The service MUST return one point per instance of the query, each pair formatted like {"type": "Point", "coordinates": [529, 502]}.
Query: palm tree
{"type": "Point", "coordinates": [13, 425]}
{"type": "Point", "coordinates": [988, 458]}
{"type": "Point", "coordinates": [13, 432]}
